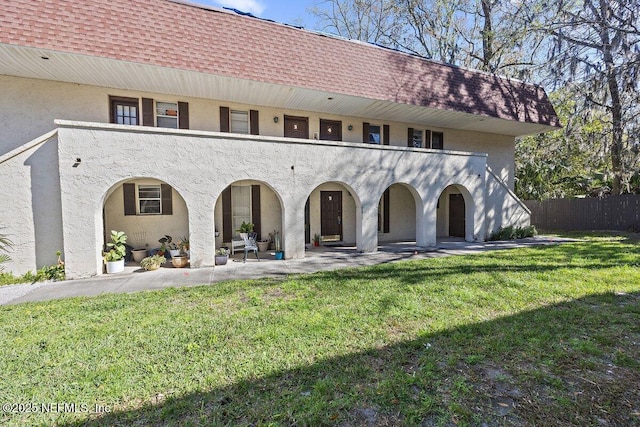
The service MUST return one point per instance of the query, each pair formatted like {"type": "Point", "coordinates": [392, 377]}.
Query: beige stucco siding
{"type": "Point", "coordinates": [144, 231]}
{"type": "Point", "coordinates": [37, 210]}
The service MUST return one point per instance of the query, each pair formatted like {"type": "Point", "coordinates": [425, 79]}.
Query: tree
{"type": "Point", "coordinates": [567, 162]}
{"type": "Point", "coordinates": [489, 35]}
{"type": "Point", "coordinates": [597, 51]}
{"type": "Point", "coordinates": [365, 20]}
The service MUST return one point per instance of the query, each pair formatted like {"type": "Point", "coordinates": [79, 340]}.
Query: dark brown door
{"type": "Point", "coordinates": [330, 130]}
{"type": "Point", "coordinates": [296, 127]}
{"type": "Point", "coordinates": [456, 215]}
{"type": "Point", "coordinates": [331, 214]}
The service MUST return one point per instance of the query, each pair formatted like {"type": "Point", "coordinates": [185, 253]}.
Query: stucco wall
{"type": "Point", "coordinates": [31, 209]}
{"type": "Point", "coordinates": [292, 168]}
{"type": "Point", "coordinates": [29, 107]}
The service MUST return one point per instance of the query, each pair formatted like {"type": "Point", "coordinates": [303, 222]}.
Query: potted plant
{"type": "Point", "coordinates": [179, 261]}
{"type": "Point", "coordinates": [245, 227]}
{"type": "Point", "coordinates": [168, 246]}
{"type": "Point", "coordinates": [263, 244]}
{"type": "Point", "coordinates": [139, 254]}
{"type": "Point", "coordinates": [277, 245]}
{"type": "Point", "coordinates": [116, 251]}
{"type": "Point", "coordinates": [184, 246]}
{"type": "Point", "coordinates": [222, 256]}
{"type": "Point", "coordinates": [152, 262]}
{"type": "Point", "coordinates": [316, 240]}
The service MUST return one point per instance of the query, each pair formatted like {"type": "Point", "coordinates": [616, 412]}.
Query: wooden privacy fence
{"type": "Point", "coordinates": [621, 213]}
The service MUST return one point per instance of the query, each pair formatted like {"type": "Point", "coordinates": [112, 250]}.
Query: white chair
{"type": "Point", "coordinates": [249, 245]}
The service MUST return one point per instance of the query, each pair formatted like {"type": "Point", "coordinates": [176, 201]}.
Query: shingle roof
{"type": "Point", "coordinates": [177, 35]}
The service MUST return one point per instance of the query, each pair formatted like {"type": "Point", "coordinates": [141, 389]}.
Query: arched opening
{"type": "Point", "coordinates": [397, 214]}
{"type": "Point", "coordinates": [331, 215]}
{"type": "Point", "coordinates": [252, 202]}
{"type": "Point", "coordinates": [146, 209]}
{"type": "Point", "coordinates": [455, 213]}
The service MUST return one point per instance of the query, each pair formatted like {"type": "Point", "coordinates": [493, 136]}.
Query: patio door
{"type": "Point", "coordinates": [331, 215]}
{"type": "Point", "coordinates": [296, 127]}
{"type": "Point", "coordinates": [456, 215]}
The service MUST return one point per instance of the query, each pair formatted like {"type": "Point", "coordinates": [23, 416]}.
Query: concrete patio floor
{"type": "Point", "coordinates": [323, 258]}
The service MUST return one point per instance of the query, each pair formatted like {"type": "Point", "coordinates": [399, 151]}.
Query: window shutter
{"type": "Point", "coordinates": [227, 232]}
{"type": "Point", "coordinates": [255, 209]}
{"type": "Point", "coordinates": [147, 112]}
{"type": "Point", "coordinates": [183, 115]}
{"type": "Point", "coordinates": [224, 127]}
{"type": "Point", "coordinates": [365, 133]}
{"type": "Point", "coordinates": [386, 206]}
{"type": "Point", "coordinates": [254, 124]}
{"type": "Point", "coordinates": [129, 191]}
{"type": "Point", "coordinates": [410, 137]}
{"type": "Point", "coordinates": [427, 139]}
{"type": "Point", "coordinates": [437, 140]}
{"type": "Point", "coordinates": [385, 134]}
{"type": "Point", "coordinates": [167, 202]}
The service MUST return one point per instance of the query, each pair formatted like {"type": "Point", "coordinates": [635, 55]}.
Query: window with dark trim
{"type": "Point", "coordinates": [124, 111]}
{"type": "Point", "coordinates": [437, 140]}
{"type": "Point", "coordinates": [375, 135]}
{"type": "Point", "coordinates": [147, 199]}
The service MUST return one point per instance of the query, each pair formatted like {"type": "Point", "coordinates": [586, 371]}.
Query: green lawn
{"type": "Point", "coordinates": [543, 336]}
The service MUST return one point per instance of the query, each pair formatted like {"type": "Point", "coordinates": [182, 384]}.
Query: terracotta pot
{"type": "Point", "coordinates": [139, 254]}
{"type": "Point", "coordinates": [179, 261]}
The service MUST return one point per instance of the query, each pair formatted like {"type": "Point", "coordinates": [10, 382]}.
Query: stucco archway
{"type": "Point", "coordinates": [332, 212]}
{"type": "Point", "coordinates": [397, 213]}
{"type": "Point", "coordinates": [146, 209]}
{"type": "Point", "coordinates": [251, 201]}
{"type": "Point", "coordinates": [455, 213]}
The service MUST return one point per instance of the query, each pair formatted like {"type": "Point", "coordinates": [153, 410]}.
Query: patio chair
{"type": "Point", "coordinates": [249, 245]}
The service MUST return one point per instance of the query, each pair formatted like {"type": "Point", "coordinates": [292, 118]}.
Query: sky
{"type": "Point", "coordinates": [286, 11]}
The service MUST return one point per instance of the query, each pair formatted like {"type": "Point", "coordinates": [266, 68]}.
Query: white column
{"type": "Point", "coordinates": [367, 226]}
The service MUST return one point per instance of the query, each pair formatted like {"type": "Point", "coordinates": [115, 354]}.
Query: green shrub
{"type": "Point", "coordinates": [511, 232]}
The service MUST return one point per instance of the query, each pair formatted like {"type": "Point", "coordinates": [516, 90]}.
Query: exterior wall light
{"type": "Point", "coordinates": [350, 127]}
{"type": "Point", "coordinates": [275, 119]}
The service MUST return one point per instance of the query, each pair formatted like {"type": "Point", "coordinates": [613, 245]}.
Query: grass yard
{"type": "Point", "coordinates": [545, 336]}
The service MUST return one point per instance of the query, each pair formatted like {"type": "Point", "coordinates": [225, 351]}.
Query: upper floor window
{"type": "Point", "coordinates": [374, 134]}
{"type": "Point", "coordinates": [124, 111]}
{"type": "Point", "coordinates": [416, 138]}
{"type": "Point", "coordinates": [167, 114]}
{"type": "Point", "coordinates": [239, 121]}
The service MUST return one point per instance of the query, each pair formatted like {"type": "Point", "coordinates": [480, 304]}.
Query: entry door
{"type": "Point", "coordinates": [331, 215]}
{"type": "Point", "coordinates": [296, 127]}
{"type": "Point", "coordinates": [456, 216]}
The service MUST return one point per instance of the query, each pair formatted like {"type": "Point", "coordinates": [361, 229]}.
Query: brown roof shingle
{"type": "Point", "coordinates": [176, 35]}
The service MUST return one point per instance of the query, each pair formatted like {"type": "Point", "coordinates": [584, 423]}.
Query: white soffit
{"type": "Point", "coordinates": [90, 70]}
